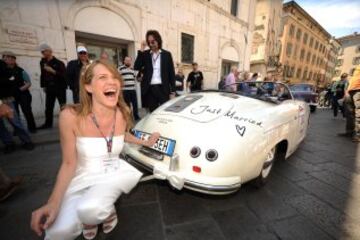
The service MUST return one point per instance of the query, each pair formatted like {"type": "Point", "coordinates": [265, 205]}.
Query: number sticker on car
{"type": "Point", "coordinates": [163, 145]}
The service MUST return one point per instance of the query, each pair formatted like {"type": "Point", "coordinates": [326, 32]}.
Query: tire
{"type": "Point", "coordinates": [312, 109]}
{"type": "Point", "coordinates": [267, 167]}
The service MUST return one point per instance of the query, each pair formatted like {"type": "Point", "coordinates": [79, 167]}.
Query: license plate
{"type": "Point", "coordinates": [163, 145]}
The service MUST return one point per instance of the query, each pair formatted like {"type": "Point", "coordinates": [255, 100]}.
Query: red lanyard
{"type": "Point", "coordinates": [110, 141]}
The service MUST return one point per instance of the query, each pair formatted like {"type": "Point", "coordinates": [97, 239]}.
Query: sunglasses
{"type": "Point", "coordinates": [82, 53]}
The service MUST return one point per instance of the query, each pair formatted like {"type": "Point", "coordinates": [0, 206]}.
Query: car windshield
{"type": "Point", "coordinates": [301, 88]}
{"type": "Point", "coordinates": [266, 91]}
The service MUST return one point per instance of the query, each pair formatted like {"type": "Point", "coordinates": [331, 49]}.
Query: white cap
{"type": "Point", "coordinates": [81, 49]}
{"type": "Point", "coordinates": [44, 47]}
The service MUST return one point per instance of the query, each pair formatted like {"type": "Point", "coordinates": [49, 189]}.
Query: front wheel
{"type": "Point", "coordinates": [266, 169]}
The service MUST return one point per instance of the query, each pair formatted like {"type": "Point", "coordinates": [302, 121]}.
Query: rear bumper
{"type": "Point", "coordinates": [174, 179]}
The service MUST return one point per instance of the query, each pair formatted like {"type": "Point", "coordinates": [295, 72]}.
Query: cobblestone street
{"type": "Point", "coordinates": [315, 194]}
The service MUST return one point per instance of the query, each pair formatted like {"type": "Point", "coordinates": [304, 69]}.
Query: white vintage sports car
{"type": "Point", "coordinates": [213, 141]}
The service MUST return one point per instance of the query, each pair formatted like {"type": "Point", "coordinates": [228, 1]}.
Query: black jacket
{"type": "Point", "coordinates": [144, 61]}
{"type": "Point", "coordinates": [73, 70]}
{"type": "Point", "coordinates": [7, 86]}
{"type": "Point", "coordinates": [49, 80]}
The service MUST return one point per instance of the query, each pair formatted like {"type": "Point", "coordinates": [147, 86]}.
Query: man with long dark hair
{"type": "Point", "coordinates": [158, 84]}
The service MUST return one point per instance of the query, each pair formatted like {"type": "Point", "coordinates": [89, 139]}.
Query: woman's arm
{"type": "Point", "coordinates": [69, 158]}
{"type": "Point", "coordinates": [148, 143]}
{"type": "Point", "coordinates": [66, 173]}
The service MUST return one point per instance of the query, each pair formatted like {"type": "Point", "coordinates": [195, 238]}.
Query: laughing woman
{"type": "Point", "coordinates": [91, 176]}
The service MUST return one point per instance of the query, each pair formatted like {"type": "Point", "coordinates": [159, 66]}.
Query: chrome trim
{"type": "Point", "coordinates": [220, 189]}
{"type": "Point", "coordinates": [212, 188]}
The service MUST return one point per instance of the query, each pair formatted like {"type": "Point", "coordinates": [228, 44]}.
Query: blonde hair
{"type": "Point", "coordinates": [84, 108]}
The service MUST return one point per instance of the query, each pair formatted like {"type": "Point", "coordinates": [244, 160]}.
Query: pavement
{"type": "Point", "coordinates": [315, 194]}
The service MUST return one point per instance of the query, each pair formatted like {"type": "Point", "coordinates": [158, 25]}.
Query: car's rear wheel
{"type": "Point", "coordinates": [266, 169]}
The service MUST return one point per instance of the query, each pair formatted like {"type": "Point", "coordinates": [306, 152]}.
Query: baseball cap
{"type": "Point", "coordinates": [44, 47]}
{"type": "Point", "coordinates": [81, 49]}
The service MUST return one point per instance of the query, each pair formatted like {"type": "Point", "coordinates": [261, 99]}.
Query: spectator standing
{"type": "Point", "coordinates": [353, 91]}
{"type": "Point", "coordinates": [7, 185]}
{"type": "Point", "coordinates": [22, 94]}
{"type": "Point", "coordinates": [254, 77]}
{"type": "Point", "coordinates": [158, 83]}
{"type": "Point", "coordinates": [338, 90]}
{"type": "Point", "coordinates": [104, 56]}
{"type": "Point", "coordinates": [52, 80]}
{"type": "Point", "coordinates": [74, 69]}
{"type": "Point", "coordinates": [8, 87]}
{"type": "Point", "coordinates": [129, 89]}
{"type": "Point", "coordinates": [179, 81]}
{"type": "Point", "coordinates": [231, 79]}
{"type": "Point", "coordinates": [195, 79]}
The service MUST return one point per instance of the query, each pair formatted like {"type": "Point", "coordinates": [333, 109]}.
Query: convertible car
{"type": "Point", "coordinates": [213, 141]}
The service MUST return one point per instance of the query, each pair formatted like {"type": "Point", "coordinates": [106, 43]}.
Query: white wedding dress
{"type": "Point", "coordinates": [99, 180]}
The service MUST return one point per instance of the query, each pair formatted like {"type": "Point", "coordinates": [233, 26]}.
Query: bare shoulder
{"type": "Point", "coordinates": [68, 116]}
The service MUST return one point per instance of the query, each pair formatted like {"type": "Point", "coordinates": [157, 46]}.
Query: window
{"type": "Point", "coordinates": [298, 34]}
{"type": "Point", "coordinates": [311, 42]}
{"type": "Point", "coordinates": [234, 7]}
{"type": "Point", "coordinates": [317, 61]}
{"type": "Point", "coordinates": [305, 38]}
{"type": "Point", "coordinates": [310, 75]}
{"type": "Point", "coordinates": [292, 71]}
{"type": "Point", "coordinates": [305, 73]}
{"type": "Point", "coordinates": [187, 48]}
{"type": "Point", "coordinates": [339, 62]}
{"type": "Point", "coordinates": [298, 73]}
{"type": "Point", "coordinates": [308, 56]}
{"type": "Point", "coordinates": [313, 59]}
{"type": "Point", "coordinates": [337, 73]}
{"type": "Point", "coordinates": [316, 45]}
{"type": "Point", "coordinates": [288, 49]}
{"type": "Point", "coordinates": [356, 61]}
{"type": "Point", "coordinates": [295, 51]}
{"type": "Point", "coordinates": [292, 30]}
{"type": "Point", "coordinates": [302, 54]}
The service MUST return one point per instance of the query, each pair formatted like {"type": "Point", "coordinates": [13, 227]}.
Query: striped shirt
{"type": "Point", "coordinates": [129, 76]}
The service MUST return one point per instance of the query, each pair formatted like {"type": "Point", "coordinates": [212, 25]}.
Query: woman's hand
{"type": "Point", "coordinates": [152, 139]}
{"type": "Point", "coordinates": [49, 212]}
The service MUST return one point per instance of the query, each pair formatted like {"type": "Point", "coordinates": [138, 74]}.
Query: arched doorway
{"type": "Point", "coordinates": [102, 30]}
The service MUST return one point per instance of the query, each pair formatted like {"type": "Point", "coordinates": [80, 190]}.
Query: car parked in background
{"type": "Point", "coordinates": [305, 92]}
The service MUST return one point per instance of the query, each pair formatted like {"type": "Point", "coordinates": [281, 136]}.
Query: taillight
{"type": "Point", "coordinates": [197, 169]}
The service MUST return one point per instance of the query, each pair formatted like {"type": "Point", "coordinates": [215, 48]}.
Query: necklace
{"type": "Point", "coordinates": [109, 141]}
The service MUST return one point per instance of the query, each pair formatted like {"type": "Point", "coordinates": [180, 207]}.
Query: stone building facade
{"type": "Point", "coordinates": [334, 48]}
{"type": "Point", "coordinates": [266, 45]}
{"type": "Point", "coordinates": [349, 56]}
{"type": "Point", "coordinates": [215, 33]}
{"type": "Point", "coordinates": [304, 52]}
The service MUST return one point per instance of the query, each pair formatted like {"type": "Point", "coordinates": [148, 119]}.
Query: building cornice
{"type": "Point", "coordinates": [302, 11]}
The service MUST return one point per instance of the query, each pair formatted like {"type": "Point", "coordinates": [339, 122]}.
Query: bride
{"type": "Point", "coordinates": [91, 176]}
